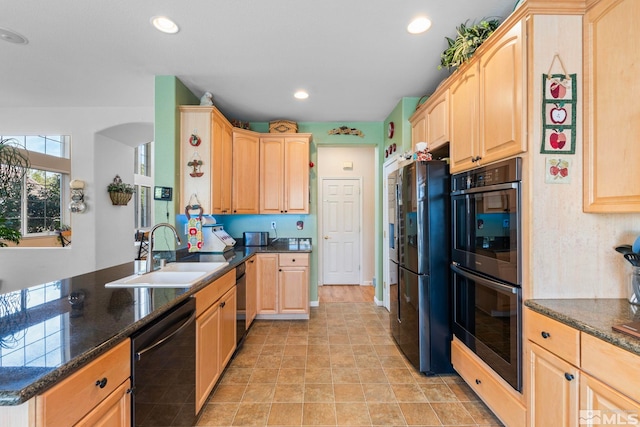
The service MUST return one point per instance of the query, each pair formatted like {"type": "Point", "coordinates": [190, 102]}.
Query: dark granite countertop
{"type": "Point", "coordinates": [593, 316]}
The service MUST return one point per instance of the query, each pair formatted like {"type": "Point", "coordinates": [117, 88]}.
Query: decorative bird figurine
{"type": "Point", "coordinates": [207, 99]}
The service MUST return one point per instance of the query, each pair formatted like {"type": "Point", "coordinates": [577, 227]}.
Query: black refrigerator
{"type": "Point", "coordinates": [419, 228]}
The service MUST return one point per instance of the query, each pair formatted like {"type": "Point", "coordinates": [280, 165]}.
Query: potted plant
{"type": "Point", "coordinates": [14, 164]}
{"type": "Point", "coordinates": [469, 38]}
{"type": "Point", "coordinates": [119, 192]}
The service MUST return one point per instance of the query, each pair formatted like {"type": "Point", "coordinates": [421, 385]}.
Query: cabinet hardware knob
{"type": "Point", "coordinates": [222, 304]}
{"type": "Point", "coordinates": [545, 335]}
{"type": "Point", "coordinates": [279, 269]}
{"type": "Point", "coordinates": [251, 261]}
{"type": "Point", "coordinates": [293, 260]}
{"type": "Point", "coordinates": [568, 376]}
{"type": "Point", "coordinates": [130, 391]}
{"type": "Point", "coordinates": [101, 383]}
{"type": "Point", "coordinates": [478, 381]}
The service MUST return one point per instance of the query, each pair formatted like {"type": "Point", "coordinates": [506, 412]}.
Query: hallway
{"type": "Point", "coordinates": [339, 368]}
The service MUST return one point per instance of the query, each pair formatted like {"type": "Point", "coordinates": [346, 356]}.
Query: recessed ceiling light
{"type": "Point", "coordinates": [12, 37]}
{"type": "Point", "coordinates": [164, 24]}
{"type": "Point", "coordinates": [419, 25]}
{"type": "Point", "coordinates": [301, 94]}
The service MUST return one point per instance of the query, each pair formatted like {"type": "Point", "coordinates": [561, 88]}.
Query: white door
{"type": "Point", "coordinates": [388, 193]}
{"type": "Point", "coordinates": [341, 231]}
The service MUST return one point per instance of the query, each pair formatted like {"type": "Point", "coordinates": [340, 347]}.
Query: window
{"type": "Point", "coordinates": [36, 207]}
{"type": "Point", "coordinates": [143, 182]}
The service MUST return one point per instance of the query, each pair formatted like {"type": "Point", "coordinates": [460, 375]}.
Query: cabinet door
{"type": "Point", "coordinates": [463, 105]}
{"type": "Point", "coordinates": [437, 123]}
{"type": "Point", "coordinates": [553, 390]}
{"type": "Point", "coordinates": [221, 164]}
{"type": "Point", "coordinates": [246, 172]}
{"type": "Point", "coordinates": [227, 343]}
{"type": "Point", "coordinates": [251, 291]}
{"type": "Point", "coordinates": [115, 410]}
{"type": "Point", "coordinates": [271, 175]}
{"type": "Point", "coordinates": [418, 127]}
{"type": "Point", "coordinates": [195, 121]}
{"type": "Point", "coordinates": [501, 98]}
{"type": "Point", "coordinates": [611, 107]}
{"type": "Point", "coordinates": [293, 288]}
{"type": "Point", "coordinates": [267, 266]}
{"type": "Point", "coordinates": [605, 405]}
{"type": "Point", "coordinates": [296, 175]}
{"type": "Point", "coordinates": [207, 355]}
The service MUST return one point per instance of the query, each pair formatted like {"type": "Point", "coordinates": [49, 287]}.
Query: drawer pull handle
{"type": "Point", "coordinates": [545, 335]}
{"type": "Point", "coordinates": [478, 381]}
{"type": "Point", "coordinates": [568, 376]}
{"type": "Point", "coordinates": [101, 383]}
{"type": "Point", "coordinates": [222, 304]}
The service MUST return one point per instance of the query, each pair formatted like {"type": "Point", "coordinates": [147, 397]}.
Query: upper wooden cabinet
{"type": "Point", "coordinates": [430, 123]}
{"type": "Point", "coordinates": [245, 172]}
{"type": "Point", "coordinates": [284, 174]}
{"type": "Point", "coordinates": [611, 107]}
{"type": "Point", "coordinates": [210, 182]}
{"type": "Point", "coordinates": [486, 104]}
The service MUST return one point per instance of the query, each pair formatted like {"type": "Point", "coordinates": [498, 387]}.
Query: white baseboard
{"type": "Point", "coordinates": [314, 303]}
{"type": "Point", "coordinates": [377, 301]}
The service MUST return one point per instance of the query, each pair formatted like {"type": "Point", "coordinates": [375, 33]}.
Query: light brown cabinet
{"type": "Point", "coordinates": [97, 394]}
{"type": "Point", "coordinates": [464, 115]}
{"type": "Point", "coordinates": [431, 122]}
{"type": "Point", "coordinates": [284, 174]}
{"type": "Point", "coordinates": [251, 295]}
{"type": "Point", "coordinates": [245, 172]}
{"type": "Point", "coordinates": [611, 108]}
{"type": "Point", "coordinates": [206, 137]}
{"type": "Point", "coordinates": [215, 333]}
{"type": "Point", "coordinates": [568, 378]}
{"type": "Point", "coordinates": [283, 285]}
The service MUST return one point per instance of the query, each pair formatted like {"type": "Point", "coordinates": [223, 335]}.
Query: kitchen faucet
{"type": "Point", "coordinates": [149, 267]}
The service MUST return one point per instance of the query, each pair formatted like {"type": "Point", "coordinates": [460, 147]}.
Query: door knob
{"type": "Point", "coordinates": [326, 237]}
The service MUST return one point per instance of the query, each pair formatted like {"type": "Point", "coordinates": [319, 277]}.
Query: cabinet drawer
{"type": "Point", "coordinates": [500, 398]}
{"type": "Point", "coordinates": [213, 291]}
{"type": "Point", "coordinates": [559, 339]}
{"type": "Point", "coordinates": [71, 399]}
{"type": "Point", "coordinates": [618, 374]}
{"type": "Point", "coordinates": [294, 260]}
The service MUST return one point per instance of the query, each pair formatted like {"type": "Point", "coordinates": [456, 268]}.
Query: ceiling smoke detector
{"type": "Point", "coordinates": [12, 37]}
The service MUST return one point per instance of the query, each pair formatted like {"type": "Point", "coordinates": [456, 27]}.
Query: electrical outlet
{"type": "Point", "coordinates": [273, 225]}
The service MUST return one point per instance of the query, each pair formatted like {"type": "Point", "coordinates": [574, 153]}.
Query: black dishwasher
{"type": "Point", "coordinates": [241, 301]}
{"type": "Point", "coordinates": [163, 370]}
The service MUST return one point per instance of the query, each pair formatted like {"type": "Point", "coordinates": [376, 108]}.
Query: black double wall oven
{"type": "Point", "coordinates": [486, 265]}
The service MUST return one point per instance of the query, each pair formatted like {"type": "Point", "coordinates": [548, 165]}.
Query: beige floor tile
{"type": "Point", "coordinates": [352, 414]}
{"type": "Point", "coordinates": [363, 349]}
{"type": "Point", "coordinates": [244, 360]}
{"type": "Point", "coordinates": [386, 414]}
{"type": "Point", "coordinates": [399, 375]}
{"type": "Point", "coordinates": [285, 414]}
{"type": "Point", "coordinates": [291, 375]}
{"type": "Point", "coordinates": [237, 376]}
{"type": "Point", "coordinates": [463, 392]}
{"type": "Point", "coordinates": [318, 360]}
{"type": "Point", "coordinates": [339, 339]}
{"type": "Point", "coordinates": [318, 340]}
{"type": "Point", "coordinates": [252, 414]}
{"type": "Point", "coordinates": [318, 375]}
{"type": "Point", "coordinates": [295, 350]}
{"type": "Point", "coordinates": [419, 414]}
{"type": "Point", "coordinates": [481, 414]}
{"type": "Point", "coordinates": [345, 375]}
{"type": "Point", "coordinates": [272, 349]}
{"type": "Point", "coordinates": [392, 361]}
{"type": "Point", "coordinates": [293, 362]}
{"type": "Point", "coordinates": [408, 393]}
{"type": "Point", "coordinates": [348, 393]}
{"type": "Point", "coordinates": [218, 414]}
{"type": "Point", "coordinates": [438, 393]}
{"type": "Point", "coordinates": [316, 414]}
{"type": "Point", "coordinates": [259, 393]}
{"type": "Point", "coordinates": [367, 361]}
{"type": "Point", "coordinates": [264, 375]}
{"type": "Point", "coordinates": [268, 361]}
{"type": "Point", "coordinates": [228, 393]}
{"type": "Point", "coordinates": [378, 393]}
{"type": "Point", "coordinates": [372, 376]}
{"type": "Point", "coordinates": [343, 361]}
{"type": "Point", "coordinates": [291, 393]}
{"type": "Point", "coordinates": [316, 393]}
{"type": "Point", "coordinates": [255, 339]}
{"type": "Point", "coordinates": [452, 413]}
{"type": "Point", "coordinates": [297, 340]}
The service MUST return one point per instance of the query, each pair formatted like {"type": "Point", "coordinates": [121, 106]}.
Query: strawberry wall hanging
{"type": "Point", "coordinates": [558, 112]}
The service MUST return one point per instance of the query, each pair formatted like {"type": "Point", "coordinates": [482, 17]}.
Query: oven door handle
{"type": "Point", "coordinates": [186, 323]}
{"type": "Point", "coordinates": [496, 187]}
{"type": "Point", "coordinates": [486, 282]}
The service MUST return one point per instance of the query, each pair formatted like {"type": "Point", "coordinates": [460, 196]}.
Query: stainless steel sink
{"type": "Point", "coordinates": [173, 275]}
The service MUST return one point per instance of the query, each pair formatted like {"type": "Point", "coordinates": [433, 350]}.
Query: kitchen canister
{"type": "Point", "coordinates": [634, 286]}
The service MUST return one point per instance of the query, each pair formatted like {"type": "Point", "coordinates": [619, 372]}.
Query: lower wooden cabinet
{"type": "Point", "coordinates": [215, 333]}
{"type": "Point", "coordinates": [251, 290]}
{"type": "Point", "coordinates": [97, 394]}
{"type": "Point", "coordinates": [283, 285]}
{"type": "Point", "coordinates": [603, 405]}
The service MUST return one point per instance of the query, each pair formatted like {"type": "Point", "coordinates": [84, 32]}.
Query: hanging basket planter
{"type": "Point", "coordinates": [120, 192]}
{"type": "Point", "coordinates": [120, 199]}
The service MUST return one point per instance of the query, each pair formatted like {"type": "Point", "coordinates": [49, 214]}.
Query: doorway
{"type": "Point", "coordinates": [341, 248]}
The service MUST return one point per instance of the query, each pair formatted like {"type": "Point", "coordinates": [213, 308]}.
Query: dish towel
{"type": "Point", "coordinates": [194, 228]}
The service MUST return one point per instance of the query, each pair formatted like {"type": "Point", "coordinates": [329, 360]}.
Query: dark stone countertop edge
{"type": "Point", "coordinates": [13, 398]}
{"type": "Point", "coordinates": [623, 341]}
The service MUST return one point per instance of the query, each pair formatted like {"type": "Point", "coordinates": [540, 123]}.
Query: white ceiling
{"type": "Point", "coordinates": [354, 57]}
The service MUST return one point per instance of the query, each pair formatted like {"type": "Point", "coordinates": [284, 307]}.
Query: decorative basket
{"type": "Point", "coordinates": [120, 199]}
{"type": "Point", "coordinates": [283, 126]}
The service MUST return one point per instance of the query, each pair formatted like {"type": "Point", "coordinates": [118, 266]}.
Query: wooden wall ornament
{"type": "Point", "coordinates": [559, 92]}
{"type": "Point", "coordinates": [345, 130]}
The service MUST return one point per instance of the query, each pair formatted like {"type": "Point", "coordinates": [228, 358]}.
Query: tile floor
{"type": "Point", "coordinates": [339, 368]}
